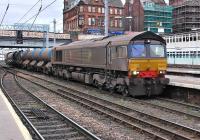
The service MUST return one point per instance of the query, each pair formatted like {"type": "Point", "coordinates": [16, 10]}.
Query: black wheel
{"type": "Point", "coordinates": [112, 90]}
{"type": "Point", "coordinates": [125, 92]}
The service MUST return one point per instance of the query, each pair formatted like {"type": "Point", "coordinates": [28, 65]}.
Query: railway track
{"type": "Point", "coordinates": [152, 125]}
{"type": "Point", "coordinates": [43, 121]}
{"type": "Point", "coordinates": [195, 107]}
{"type": "Point", "coordinates": [169, 109]}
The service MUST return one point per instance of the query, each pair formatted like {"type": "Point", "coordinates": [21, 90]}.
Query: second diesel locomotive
{"type": "Point", "coordinates": [130, 64]}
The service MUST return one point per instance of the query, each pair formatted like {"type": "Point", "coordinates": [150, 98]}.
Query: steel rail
{"type": "Point", "coordinates": [180, 103]}
{"type": "Point", "coordinates": [78, 99]}
{"type": "Point", "coordinates": [132, 99]}
{"type": "Point", "coordinates": [79, 128]}
{"type": "Point", "coordinates": [29, 125]}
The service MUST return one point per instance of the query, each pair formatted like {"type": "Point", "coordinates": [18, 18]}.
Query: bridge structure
{"type": "Point", "coordinates": [36, 36]}
{"type": "Point", "coordinates": [31, 39]}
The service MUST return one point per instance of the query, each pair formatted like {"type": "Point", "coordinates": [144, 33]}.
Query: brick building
{"type": "Point", "coordinates": [186, 15]}
{"type": "Point", "coordinates": [153, 15]}
{"type": "Point", "coordinates": [87, 16]}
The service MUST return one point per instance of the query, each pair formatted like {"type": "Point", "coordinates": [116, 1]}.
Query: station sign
{"type": "Point", "coordinates": [94, 31]}
{"type": "Point", "coordinates": [116, 32]}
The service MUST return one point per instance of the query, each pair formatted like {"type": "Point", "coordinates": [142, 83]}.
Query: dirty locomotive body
{"type": "Point", "coordinates": [129, 64]}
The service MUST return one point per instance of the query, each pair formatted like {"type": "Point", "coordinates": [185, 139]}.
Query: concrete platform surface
{"type": "Point", "coordinates": [184, 81]}
{"type": "Point", "coordinates": [11, 127]}
{"type": "Point", "coordinates": [184, 70]}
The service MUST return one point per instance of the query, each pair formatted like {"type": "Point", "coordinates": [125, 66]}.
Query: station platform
{"type": "Point", "coordinates": [184, 81]}
{"type": "Point", "coordinates": [11, 127]}
{"type": "Point", "coordinates": [184, 70]}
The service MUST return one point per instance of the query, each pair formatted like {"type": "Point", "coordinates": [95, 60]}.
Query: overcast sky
{"type": "Point", "coordinates": [19, 7]}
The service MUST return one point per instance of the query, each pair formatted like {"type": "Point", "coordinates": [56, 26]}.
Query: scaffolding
{"type": "Point", "coordinates": [186, 17]}
{"type": "Point", "coordinates": [157, 17]}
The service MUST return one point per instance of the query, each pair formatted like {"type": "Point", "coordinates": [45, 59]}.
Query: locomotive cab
{"type": "Point", "coordinates": [147, 66]}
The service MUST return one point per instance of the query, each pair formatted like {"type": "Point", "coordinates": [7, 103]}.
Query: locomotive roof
{"type": "Point", "coordinates": [113, 40]}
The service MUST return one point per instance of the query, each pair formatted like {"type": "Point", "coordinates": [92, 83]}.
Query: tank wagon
{"type": "Point", "coordinates": [13, 58]}
{"type": "Point", "coordinates": [130, 64]}
{"type": "Point", "coordinates": [37, 59]}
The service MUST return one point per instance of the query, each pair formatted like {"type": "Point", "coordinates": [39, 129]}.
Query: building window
{"type": "Point", "coordinates": [120, 11]}
{"type": "Point", "coordinates": [120, 23]}
{"type": "Point", "coordinates": [103, 10]}
{"type": "Point", "coordinates": [116, 11]}
{"type": "Point", "coordinates": [100, 21]}
{"type": "Point", "coordinates": [89, 9]}
{"type": "Point", "coordinates": [99, 9]}
{"type": "Point", "coordinates": [111, 22]}
{"type": "Point", "coordinates": [115, 23]}
{"type": "Point", "coordinates": [111, 11]}
{"type": "Point", "coordinates": [91, 21]}
{"type": "Point", "coordinates": [81, 21]}
{"type": "Point", "coordinates": [93, 9]}
{"type": "Point", "coordinates": [81, 8]}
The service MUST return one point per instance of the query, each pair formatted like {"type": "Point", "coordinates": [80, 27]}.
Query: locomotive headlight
{"type": "Point", "coordinates": [135, 72]}
{"type": "Point", "coordinates": [162, 72]}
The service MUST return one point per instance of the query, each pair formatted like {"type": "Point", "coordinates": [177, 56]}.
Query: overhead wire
{"type": "Point", "coordinates": [28, 11]}
{"type": "Point", "coordinates": [5, 14]}
{"type": "Point", "coordinates": [36, 16]}
{"type": "Point", "coordinates": [40, 11]}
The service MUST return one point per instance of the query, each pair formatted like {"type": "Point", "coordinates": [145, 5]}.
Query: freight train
{"type": "Point", "coordinates": [128, 64]}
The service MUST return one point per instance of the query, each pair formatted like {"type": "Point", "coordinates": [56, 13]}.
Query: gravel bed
{"type": "Point", "coordinates": [183, 120]}
{"type": "Point", "coordinates": [98, 124]}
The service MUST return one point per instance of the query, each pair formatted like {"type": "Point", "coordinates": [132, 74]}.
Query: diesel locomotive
{"type": "Point", "coordinates": [129, 64]}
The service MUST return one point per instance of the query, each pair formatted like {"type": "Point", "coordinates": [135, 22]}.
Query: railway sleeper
{"type": "Point", "coordinates": [51, 127]}
{"type": "Point", "coordinates": [57, 131]}
{"type": "Point", "coordinates": [46, 123]}
{"type": "Point", "coordinates": [58, 136]}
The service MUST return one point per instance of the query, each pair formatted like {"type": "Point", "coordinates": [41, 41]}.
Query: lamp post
{"type": "Point", "coordinates": [106, 17]}
{"type": "Point", "coordinates": [54, 26]}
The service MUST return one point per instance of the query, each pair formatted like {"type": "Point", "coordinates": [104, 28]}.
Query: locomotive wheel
{"type": "Point", "coordinates": [125, 92]}
{"type": "Point", "coordinates": [96, 84]}
{"type": "Point", "coordinates": [112, 90]}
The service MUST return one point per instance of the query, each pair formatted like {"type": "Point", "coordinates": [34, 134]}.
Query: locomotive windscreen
{"type": "Point", "coordinates": [144, 49]}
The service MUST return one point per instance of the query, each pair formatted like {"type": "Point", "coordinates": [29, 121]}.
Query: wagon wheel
{"type": "Point", "coordinates": [125, 92]}
{"type": "Point", "coordinates": [100, 87]}
{"type": "Point", "coordinates": [96, 84]}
